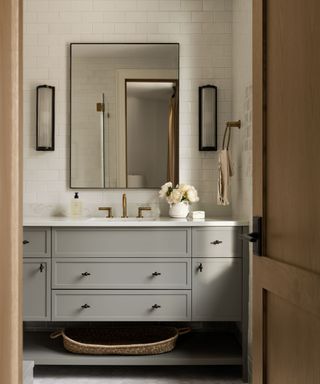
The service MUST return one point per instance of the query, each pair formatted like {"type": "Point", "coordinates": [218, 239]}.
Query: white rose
{"type": "Point", "coordinates": [164, 189]}
{"type": "Point", "coordinates": [176, 196]}
{"type": "Point", "coordinates": [184, 187]}
{"type": "Point", "coordinates": [192, 195]}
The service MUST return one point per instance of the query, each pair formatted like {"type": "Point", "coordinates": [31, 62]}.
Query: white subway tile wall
{"type": "Point", "coordinates": [204, 30]}
{"type": "Point", "coordinates": [242, 108]}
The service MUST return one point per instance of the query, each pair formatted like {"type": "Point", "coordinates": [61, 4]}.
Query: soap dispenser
{"type": "Point", "coordinates": [76, 206]}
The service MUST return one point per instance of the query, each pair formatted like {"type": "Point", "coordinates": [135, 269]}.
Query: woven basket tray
{"type": "Point", "coordinates": [149, 340]}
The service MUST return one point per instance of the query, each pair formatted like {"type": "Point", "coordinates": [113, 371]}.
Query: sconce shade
{"type": "Point", "coordinates": [45, 118]}
{"type": "Point", "coordinates": [208, 118]}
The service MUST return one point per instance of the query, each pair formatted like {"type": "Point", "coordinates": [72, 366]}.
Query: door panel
{"type": "Point", "coordinates": [292, 139]}
{"type": "Point", "coordinates": [289, 331]}
{"type": "Point", "coordinates": [286, 185]}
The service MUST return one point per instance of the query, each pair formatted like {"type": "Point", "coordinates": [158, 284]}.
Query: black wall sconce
{"type": "Point", "coordinates": [45, 118]}
{"type": "Point", "coordinates": [208, 118]}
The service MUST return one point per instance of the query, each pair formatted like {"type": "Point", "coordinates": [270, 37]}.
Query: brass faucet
{"type": "Point", "coordinates": [140, 210]}
{"type": "Point", "coordinates": [108, 209]}
{"type": "Point", "coordinates": [124, 206]}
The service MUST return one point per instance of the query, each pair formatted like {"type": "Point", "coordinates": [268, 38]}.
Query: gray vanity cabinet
{"type": "Point", "coordinates": [36, 289]}
{"type": "Point", "coordinates": [217, 274]}
{"type": "Point", "coordinates": [217, 289]}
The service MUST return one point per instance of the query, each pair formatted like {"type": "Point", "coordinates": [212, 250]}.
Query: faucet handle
{"type": "Point", "coordinates": [140, 210]}
{"type": "Point", "coordinates": [108, 209]}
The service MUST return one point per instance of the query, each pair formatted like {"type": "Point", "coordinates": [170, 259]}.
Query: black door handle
{"type": "Point", "coordinates": [256, 236]}
{"type": "Point", "coordinates": [252, 237]}
{"type": "Point", "coordinates": [25, 242]}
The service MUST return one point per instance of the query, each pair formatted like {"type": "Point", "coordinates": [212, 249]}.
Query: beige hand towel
{"type": "Point", "coordinates": [224, 173]}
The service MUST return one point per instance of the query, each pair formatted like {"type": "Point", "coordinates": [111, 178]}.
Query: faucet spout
{"type": "Point", "coordinates": [124, 206]}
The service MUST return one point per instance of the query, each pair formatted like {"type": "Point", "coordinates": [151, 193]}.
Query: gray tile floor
{"type": "Point", "coordinates": [136, 375]}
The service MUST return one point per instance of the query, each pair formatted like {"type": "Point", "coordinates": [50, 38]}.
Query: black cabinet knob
{"type": "Point", "coordinates": [200, 267]}
{"type": "Point", "coordinates": [25, 242]}
{"type": "Point", "coordinates": [156, 306]}
{"type": "Point", "coordinates": [85, 306]}
{"type": "Point", "coordinates": [85, 273]}
{"type": "Point", "coordinates": [156, 274]}
{"type": "Point", "coordinates": [41, 267]}
{"type": "Point", "coordinates": [216, 242]}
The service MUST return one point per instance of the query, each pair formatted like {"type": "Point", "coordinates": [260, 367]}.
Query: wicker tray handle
{"type": "Point", "coordinates": [183, 331]}
{"type": "Point", "coordinates": [56, 334]}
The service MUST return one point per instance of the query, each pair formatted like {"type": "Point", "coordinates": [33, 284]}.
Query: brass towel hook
{"type": "Point", "coordinates": [234, 124]}
{"type": "Point", "coordinates": [227, 132]}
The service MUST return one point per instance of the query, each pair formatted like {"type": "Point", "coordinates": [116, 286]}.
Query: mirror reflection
{"type": "Point", "coordinates": [124, 115]}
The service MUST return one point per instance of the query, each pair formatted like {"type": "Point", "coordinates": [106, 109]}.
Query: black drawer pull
{"type": "Point", "coordinates": [216, 242]}
{"type": "Point", "coordinates": [85, 306]}
{"type": "Point", "coordinates": [41, 267]}
{"type": "Point", "coordinates": [156, 274]}
{"type": "Point", "coordinates": [156, 306]}
{"type": "Point", "coordinates": [25, 242]}
{"type": "Point", "coordinates": [200, 267]}
{"type": "Point", "coordinates": [85, 273]}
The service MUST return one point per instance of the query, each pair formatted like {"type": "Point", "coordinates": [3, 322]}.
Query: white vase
{"type": "Point", "coordinates": [179, 210]}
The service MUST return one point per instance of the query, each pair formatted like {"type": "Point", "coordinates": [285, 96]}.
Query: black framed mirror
{"type": "Point", "coordinates": [124, 125]}
{"type": "Point", "coordinates": [208, 118]}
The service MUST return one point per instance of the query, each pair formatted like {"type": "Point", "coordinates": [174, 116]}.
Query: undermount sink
{"type": "Point", "coordinates": [121, 219]}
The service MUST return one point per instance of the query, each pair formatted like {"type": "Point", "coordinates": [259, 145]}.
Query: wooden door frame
{"type": "Point", "coordinates": [11, 191]}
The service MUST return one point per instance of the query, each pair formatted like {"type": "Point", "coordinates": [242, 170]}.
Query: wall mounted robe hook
{"type": "Point", "coordinates": [234, 124]}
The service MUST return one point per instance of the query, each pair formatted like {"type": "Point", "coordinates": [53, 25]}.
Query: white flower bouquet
{"type": "Point", "coordinates": [181, 193]}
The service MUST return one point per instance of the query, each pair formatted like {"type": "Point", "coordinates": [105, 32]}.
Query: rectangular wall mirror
{"type": "Point", "coordinates": [124, 124]}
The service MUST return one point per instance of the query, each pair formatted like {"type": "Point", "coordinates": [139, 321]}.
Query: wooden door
{"type": "Point", "coordinates": [286, 279]}
{"type": "Point", "coordinates": [10, 191]}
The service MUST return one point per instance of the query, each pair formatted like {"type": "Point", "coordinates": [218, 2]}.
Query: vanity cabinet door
{"type": "Point", "coordinates": [36, 289]}
{"type": "Point", "coordinates": [37, 242]}
{"type": "Point", "coordinates": [217, 289]}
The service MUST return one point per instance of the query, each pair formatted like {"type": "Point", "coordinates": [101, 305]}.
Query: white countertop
{"type": "Point", "coordinates": [131, 222]}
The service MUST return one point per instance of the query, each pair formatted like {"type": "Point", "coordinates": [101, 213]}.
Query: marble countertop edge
{"type": "Point", "coordinates": [132, 222]}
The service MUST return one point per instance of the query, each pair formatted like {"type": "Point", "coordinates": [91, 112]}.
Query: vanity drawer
{"type": "Point", "coordinates": [126, 242]}
{"type": "Point", "coordinates": [36, 242]}
{"type": "Point", "coordinates": [121, 305]}
{"type": "Point", "coordinates": [216, 242]}
{"type": "Point", "coordinates": [123, 273]}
